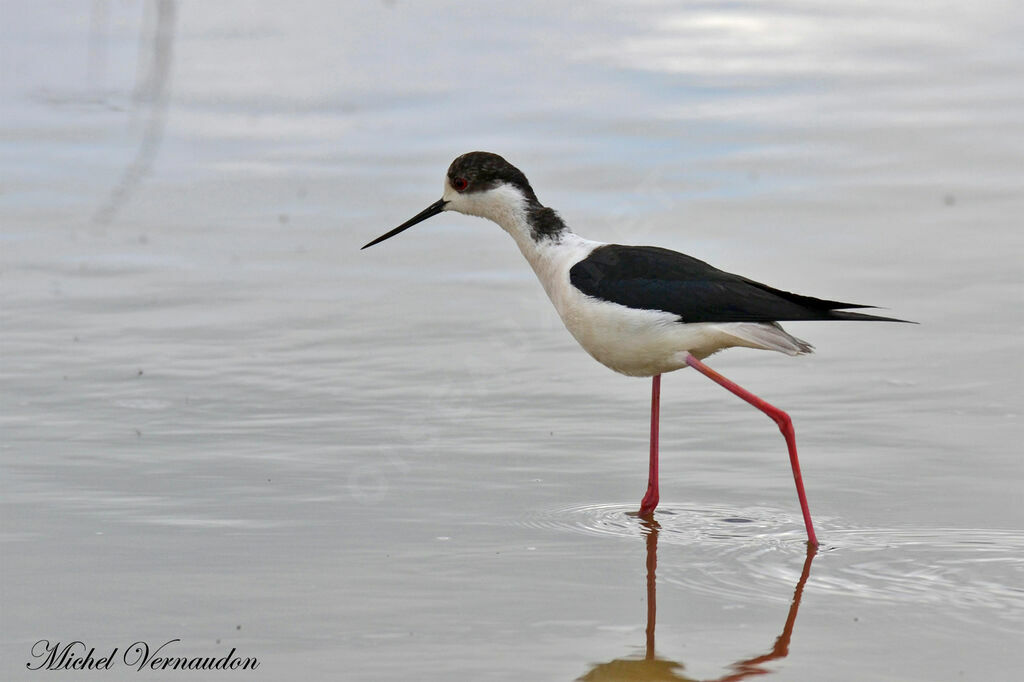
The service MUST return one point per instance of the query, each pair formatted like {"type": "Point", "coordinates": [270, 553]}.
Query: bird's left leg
{"type": "Point", "coordinates": [650, 500]}
{"type": "Point", "coordinates": [779, 417]}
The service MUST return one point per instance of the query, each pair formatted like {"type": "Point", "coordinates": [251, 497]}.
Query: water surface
{"type": "Point", "coordinates": [224, 423]}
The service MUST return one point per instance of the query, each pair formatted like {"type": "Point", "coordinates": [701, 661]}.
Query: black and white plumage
{"type": "Point", "coordinates": [653, 278]}
{"type": "Point", "coordinates": [640, 310]}
{"type": "Point", "coordinates": [637, 309]}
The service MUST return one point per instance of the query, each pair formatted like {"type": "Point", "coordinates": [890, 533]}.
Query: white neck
{"type": "Point", "coordinates": [506, 205]}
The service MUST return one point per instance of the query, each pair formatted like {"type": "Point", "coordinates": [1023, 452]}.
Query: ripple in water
{"type": "Point", "coordinates": [757, 526]}
{"type": "Point", "coordinates": [755, 553]}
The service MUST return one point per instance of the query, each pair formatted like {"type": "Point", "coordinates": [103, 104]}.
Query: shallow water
{"type": "Point", "coordinates": [222, 422]}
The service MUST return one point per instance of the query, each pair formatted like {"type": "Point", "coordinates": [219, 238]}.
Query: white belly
{"type": "Point", "coordinates": [637, 342]}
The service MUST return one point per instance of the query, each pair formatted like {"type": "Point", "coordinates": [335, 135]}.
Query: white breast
{"type": "Point", "coordinates": [627, 340]}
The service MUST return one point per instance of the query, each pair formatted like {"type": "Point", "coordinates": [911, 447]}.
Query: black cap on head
{"type": "Point", "coordinates": [483, 171]}
{"type": "Point", "coordinates": [479, 172]}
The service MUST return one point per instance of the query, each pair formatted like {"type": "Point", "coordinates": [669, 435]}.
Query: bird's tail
{"type": "Point", "coordinates": [767, 336]}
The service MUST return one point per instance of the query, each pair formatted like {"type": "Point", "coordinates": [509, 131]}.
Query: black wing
{"type": "Point", "coordinates": [651, 278]}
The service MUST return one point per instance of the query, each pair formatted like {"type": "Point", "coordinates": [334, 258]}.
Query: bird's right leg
{"type": "Point", "coordinates": [650, 500]}
{"type": "Point", "coordinates": [784, 423]}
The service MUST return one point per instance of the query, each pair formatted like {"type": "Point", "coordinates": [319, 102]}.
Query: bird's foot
{"type": "Point", "coordinates": [647, 505]}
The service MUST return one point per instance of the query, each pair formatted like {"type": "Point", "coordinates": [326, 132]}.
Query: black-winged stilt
{"type": "Point", "coordinates": [640, 310]}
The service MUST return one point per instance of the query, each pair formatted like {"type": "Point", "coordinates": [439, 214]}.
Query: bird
{"type": "Point", "coordinates": [641, 311]}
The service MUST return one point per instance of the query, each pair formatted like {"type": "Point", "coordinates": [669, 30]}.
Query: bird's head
{"type": "Point", "coordinates": [480, 184]}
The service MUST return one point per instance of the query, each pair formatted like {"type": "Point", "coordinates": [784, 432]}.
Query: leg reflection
{"type": "Point", "coordinates": [652, 596]}
{"type": "Point", "coordinates": [653, 668]}
{"type": "Point", "coordinates": [752, 666]}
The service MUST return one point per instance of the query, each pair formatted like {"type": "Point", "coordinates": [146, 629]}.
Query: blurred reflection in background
{"type": "Point", "coordinates": [150, 96]}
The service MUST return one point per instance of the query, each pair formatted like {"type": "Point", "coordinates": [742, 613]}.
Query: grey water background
{"type": "Point", "coordinates": [222, 422]}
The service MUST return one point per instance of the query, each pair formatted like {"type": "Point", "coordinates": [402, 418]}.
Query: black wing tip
{"type": "Point", "coordinates": [843, 315]}
{"type": "Point", "coordinates": [836, 305]}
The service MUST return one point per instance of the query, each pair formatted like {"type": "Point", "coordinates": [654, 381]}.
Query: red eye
{"type": "Point", "coordinates": [459, 184]}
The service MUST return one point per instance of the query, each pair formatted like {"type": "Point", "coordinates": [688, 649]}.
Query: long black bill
{"type": "Point", "coordinates": [429, 211]}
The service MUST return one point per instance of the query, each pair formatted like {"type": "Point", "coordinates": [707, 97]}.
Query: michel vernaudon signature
{"type": "Point", "coordinates": [139, 655]}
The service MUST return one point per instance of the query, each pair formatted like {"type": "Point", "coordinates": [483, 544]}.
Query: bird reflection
{"type": "Point", "coordinates": [653, 669]}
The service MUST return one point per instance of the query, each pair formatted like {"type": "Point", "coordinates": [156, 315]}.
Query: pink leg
{"type": "Point", "coordinates": [780, 418]}
{"type": "Point", "coordinates": [650, 500]}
